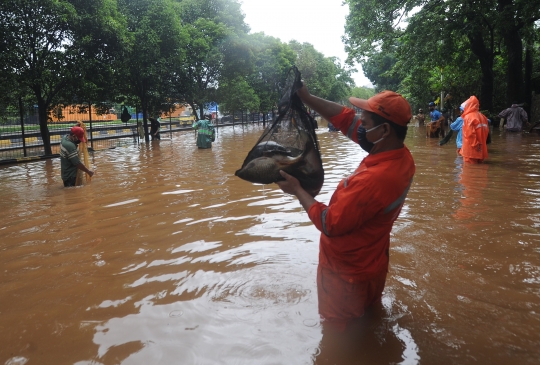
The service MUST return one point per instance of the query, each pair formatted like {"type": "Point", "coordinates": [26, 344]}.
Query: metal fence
{"type": "Point", "coordinates": [21, 138]}
{"type": "Point", "coordinates": [18, 141]}
{"type": "Point", "coordinates": [24, 141]}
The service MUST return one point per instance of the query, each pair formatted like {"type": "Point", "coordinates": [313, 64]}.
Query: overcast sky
{"type": "Point", "coordinates": [319, 22]}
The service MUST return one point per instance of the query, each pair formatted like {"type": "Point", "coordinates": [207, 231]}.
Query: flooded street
{"type": "Point", "coordinates": [167, 258]}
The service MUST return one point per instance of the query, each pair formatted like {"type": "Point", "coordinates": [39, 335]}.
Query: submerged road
{"type": "Point", "coordinates": [167, 258]}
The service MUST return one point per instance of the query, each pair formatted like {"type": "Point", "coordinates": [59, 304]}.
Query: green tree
{"type": "Point", "coordinates": [273, 59]}
{"type": "Point", "coordinates": [101, 36]}
{"type": "Point", "coordinates": [516, 21]}
{"type": "Point", "coordinates": [198, 79]}
{"type": "Point", "coordinates": [238, 57]}
{"type": "Point", "coordinates": [342, 84]}
{"type": "Point", "coordinates": [226, 12]}
{"type": "Point", "coordinates": [317, 71]}
{"type": "Point", "coordinates": [436, 29]}
{"type": "Point", "coordinates": [379, 70]}
{"type": "Point", "coordinates": [38, 37]}
{"type": "Point", "coordinates": [362, 92]}
{"type": "Point", "coordinates": [215, 28]}
{"type": "Point", "coordinates": [157, 42]}
{"type": "Point", "coordinates": [237, 95]}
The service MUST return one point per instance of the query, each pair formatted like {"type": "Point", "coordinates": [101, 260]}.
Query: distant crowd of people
{"type": "Point", "coordinates": [471, 125]}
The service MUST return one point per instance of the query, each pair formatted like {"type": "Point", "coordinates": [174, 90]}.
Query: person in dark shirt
{"type": "Point", "coordinates": [69, 157]}
{"type": "Point", "coordinates": [154, 128]}
{"type": "Point", "coordinates": [515, 117]}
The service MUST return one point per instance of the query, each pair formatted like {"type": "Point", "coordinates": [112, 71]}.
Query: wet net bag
{"type": "Point", "coordinates": [289, 144]}
{"type": "Point", "coordinates": [82, 177]}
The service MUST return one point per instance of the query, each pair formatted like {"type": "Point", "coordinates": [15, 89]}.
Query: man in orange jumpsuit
{"type": "Point", "coordinates": [475, 132]}
{"type": "Point", "coordinates": [355, 226]}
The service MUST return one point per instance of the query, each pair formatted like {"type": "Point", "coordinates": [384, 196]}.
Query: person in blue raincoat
{"type": "Point", "coordinates": [206, 133]}
{"type": "Point", "coordinates": [457, 126]}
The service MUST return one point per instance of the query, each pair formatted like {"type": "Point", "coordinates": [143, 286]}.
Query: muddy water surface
{"type": "Point", "coordinates": [167, 258]}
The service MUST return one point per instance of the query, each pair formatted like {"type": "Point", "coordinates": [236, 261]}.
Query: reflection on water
{"type": "Point", "coordinates": [167, 258]}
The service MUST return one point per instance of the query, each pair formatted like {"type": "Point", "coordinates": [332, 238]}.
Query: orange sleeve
{"type": "Point", "coordinates": [346, 123]}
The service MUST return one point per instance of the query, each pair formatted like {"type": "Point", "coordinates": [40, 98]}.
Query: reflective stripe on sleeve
{"type": "Point", "coordinates": [323, 221]}
{"type": "Point", "coordinates": [351, 128]}
{"type": "Point", "coordinates": [396, 203]}
{"type": "Point", "coordinates": [346, 180]}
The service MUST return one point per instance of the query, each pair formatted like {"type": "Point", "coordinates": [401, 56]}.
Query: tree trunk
{"type": "Point", "coordinates": [485, 56]}
{"type": "Point", "coordinates": [486, 90]}
{"type": "Point", "coordinates": [144, 108]}
{"type": "Point", "coordinates": [510, 30]}
{"type": "Point", "coordinates": [21, 115]}
{"type": "Point", "coordinates": [528, 78]}
{"type": "Point", "coordinates": [514, 70]}
{"type": "Point", "coordinates": [193, 110]}
{"type": "Point", "coordinates": [43, 127]}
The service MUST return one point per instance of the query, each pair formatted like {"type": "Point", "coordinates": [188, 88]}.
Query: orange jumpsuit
{"type": "Point", "coordinates": [355, 228]}
{"type": "Point", "coordinates": [475, 132]}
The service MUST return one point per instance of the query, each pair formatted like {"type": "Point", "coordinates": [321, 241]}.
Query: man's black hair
{"type": "Point", "coordinates": [401, 131]}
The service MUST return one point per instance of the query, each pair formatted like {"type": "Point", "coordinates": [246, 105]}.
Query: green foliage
{"type": "Point", "coordinates": [225, 12]}
{"type": "Point", "coordinates": [362, 92]}
{"type": "Point", "coordinates": [151, 54]}
{"type": "Point", "coordinates": [199, 76]}
{"type": "Point", "coordinates": [215, 29]}
{"type": "Point", "coordinates": [156, 46]}
{"type": "Point", "coordinates": [379, 68]}
{"type": "Point", "coordinates": [421, 48]}
{"type": "Point", "coordinates": [237, 95]}
{"type": "Point", "coordinates": [38, 48]}
{"type": "Point", "coordinates": [317, 71]}
{"type": "Point", "coordinates": [342, 84]}
{"type": "Point", "coordinates": [273, 60]}
{"type": "Point", "coordinates": [101, 36]}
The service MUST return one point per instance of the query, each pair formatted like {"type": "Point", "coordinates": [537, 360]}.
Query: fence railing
{"type": "Point", "coordinates": [19, 143]}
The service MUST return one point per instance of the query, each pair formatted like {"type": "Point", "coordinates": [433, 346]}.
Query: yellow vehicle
{"type": "Point", "coordinates": [186, 120]}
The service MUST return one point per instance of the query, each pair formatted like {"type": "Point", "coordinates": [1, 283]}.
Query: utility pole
{"type": "Point", "coordinates": [442, 91]}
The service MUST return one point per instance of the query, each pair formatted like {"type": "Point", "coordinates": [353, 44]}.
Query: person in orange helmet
{"type": "Point", "coordinates": [355, 226]}
{"type": "Point", "coordinates": [475, 132]}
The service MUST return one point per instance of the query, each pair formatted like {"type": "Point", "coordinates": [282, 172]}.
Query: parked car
{"type": "Point", "coordinates": [229, 119]}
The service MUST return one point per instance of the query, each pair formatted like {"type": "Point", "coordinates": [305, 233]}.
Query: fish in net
{"type": "Point", "coordinates": [289, 144]}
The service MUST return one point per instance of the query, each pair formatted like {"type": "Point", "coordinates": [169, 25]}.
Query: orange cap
{"type": "Point", "coordinates": [387, 104]}
{"type": "Point", "coordinates": [79, 132]}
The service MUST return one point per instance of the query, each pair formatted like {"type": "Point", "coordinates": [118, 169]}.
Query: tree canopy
{"type": "Point", "coordinates": [423, 48]}
{"type": "Point", "coordinates": [150, 54]}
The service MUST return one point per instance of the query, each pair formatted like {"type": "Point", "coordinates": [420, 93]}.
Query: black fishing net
{"type": "Point", "coordinates": [289, 144]}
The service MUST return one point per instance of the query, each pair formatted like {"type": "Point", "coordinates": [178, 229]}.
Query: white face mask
{"type": "Point", "coordinates": [372, 129]}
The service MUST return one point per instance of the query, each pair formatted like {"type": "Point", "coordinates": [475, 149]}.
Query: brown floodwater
{"type": "Point", "coordinates": [167, 258]}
